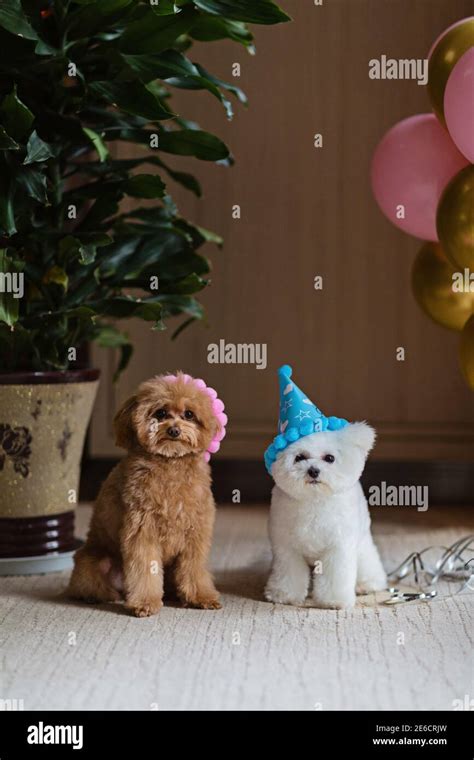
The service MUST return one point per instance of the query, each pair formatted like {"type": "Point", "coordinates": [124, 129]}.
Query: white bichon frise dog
{"type": "Point", "coordinates": [319, 520]}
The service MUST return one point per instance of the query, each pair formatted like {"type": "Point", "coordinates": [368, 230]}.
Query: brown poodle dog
{"type": "Point", "coordinates": [156, 508]}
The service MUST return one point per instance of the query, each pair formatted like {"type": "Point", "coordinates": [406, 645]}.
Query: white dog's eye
{"type": "Point", "coordinates": [329, 458]}
{"type": "Point", "coordinates": [300, 457]}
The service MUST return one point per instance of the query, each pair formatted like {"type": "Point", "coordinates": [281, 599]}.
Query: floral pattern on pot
{"type": "Point", "coordinates": [15, 444]}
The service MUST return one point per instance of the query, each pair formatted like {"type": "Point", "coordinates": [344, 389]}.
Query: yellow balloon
{"type": "Point", "coordinates": [447, 52]}
{"type": "Point", "coordinates": [432, 280]}
{"type": "Point", "coordinates": [466, 354]}
{"type": "Point", "coordinates": [455, 219]}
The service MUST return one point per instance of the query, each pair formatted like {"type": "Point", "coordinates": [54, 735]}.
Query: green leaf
{"type": "Point", "coordinates": [13, 19]}
{"type": "Point", "coordinates": [104, 207]}
{"type": "Point", "coordinates": [15, 116]}
{"type": "Point", "coordinates": [15, 50]}
{"type": "Point", "coordinates": [123, 307]}
{"type": "Point", "coordinates": [127, 258]}
{"type": "Point", "coordinates": [249, 11]}
{"type": "Point", "coordinates": [145, 186]}
{"type": "Point", "coordinates": [71, 248]}
{"type": "Point", "coordinates": [9, 304]}
{"type": "Point", "coordinates": [120, 165]}
{"type": "Point", "coordinates": [174, 305]}
{"type": "Point", "coordinates": [86, 21]}
{"type": "Point", "coordinates": [160, 65]}
{"type": "Point", "coordinates": [7, 215]}
{"type": "Point", "coordinates": [211, 28]}
{"type": "Point", "coordinates": [152, 33]}
{"type": "Point", "coordinates": [6, 142]}
{"type": "Point", "coordinates": [33, 182]}
{"type": "Point", "coordinates": [126, 352]}
{"type": "Point", "coordinates": [87, 254]}
{"type": "Point", "coordinates": [81, 312]}
{"type": "Point", "coordinates": [68, 248]}
{"type": "Point", "coordinates": [185, 179]}
{"type": "Point", "coordinates": [58, 276]}
{"type": "Point", "coordinates": [192, 283]}
{"type": "Point", "coordinates": [210, 237]}
{"type": "Point", "coordinates": [42, 48]}
{"type": "Point", "coordinates": [175, 69]}
{"type": "Point", "coordinates": [153, 217]}
{"type": "Point", "coordinates": [165, 8]}
{"type": "Point", "coordinates": [240, 94]}
{"type": "Point", "coordinates": [109, 337]}
{"type": "Point", "coordinates": [97, 142]}
{"type": "Point", "coordinates": [37, 150]}
{"type": "Point", "coordinates": [169, 270]}
{"type": "Point", "coordinates": [100, 240]}
{"type": "Point", "coordinates": [198, 235]}
{"type": "Point", "coordinates": [193, 142]}
{"type": "Point", "coordinates": [133, 98]}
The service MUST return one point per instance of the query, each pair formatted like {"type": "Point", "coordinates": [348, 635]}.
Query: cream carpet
{"type": "Point", "coordinates": [251, 654]}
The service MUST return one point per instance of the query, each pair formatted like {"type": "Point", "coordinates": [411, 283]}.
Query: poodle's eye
{"type": "Point", "coordinates": [329, 458]}
{"type": "Point", "coordinates": [300, 457]}
{"type": "Point", "coordinates": [189, 415]}
{"type": "Point", "coordinates": [161, 414]}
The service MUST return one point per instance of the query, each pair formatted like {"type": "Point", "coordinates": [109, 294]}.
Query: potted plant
{"type": "Point", "coordinates": [78, 78]}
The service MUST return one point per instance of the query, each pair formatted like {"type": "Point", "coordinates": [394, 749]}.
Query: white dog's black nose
{"type": "Point", "coordinates": [174, 432]}
{"type": "Point", "coordinates": [313, 472]}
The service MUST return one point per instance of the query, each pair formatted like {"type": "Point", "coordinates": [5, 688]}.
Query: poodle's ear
{"type": "Point", "coordinates": [359, 434]}
{"type": "Point", "coordinates": [123, 425]}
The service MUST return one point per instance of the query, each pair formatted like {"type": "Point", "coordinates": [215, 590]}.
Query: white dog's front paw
{"type": "Point", "coordinates": [376, 582]}
{"type": "Point", "coordinates": [279, 596]}
{"type": "Point", "coordinates": [339, 602]}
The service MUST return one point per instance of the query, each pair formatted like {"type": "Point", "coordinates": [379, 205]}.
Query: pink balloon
{"type": "Point", "coordinates": [459, 104]}
{"type": "Point", "coordinates": [411, 166]}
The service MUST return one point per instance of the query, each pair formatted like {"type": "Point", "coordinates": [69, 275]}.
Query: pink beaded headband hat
{"type": "Point", "coordinates": [217, 408]}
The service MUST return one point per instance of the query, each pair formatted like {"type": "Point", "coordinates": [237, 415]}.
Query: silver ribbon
{"type": "Point", "coordinates": [433, 567]}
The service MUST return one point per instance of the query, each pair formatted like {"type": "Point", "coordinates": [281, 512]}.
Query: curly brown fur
{"type": "Point", "coordinates": [155, 511]}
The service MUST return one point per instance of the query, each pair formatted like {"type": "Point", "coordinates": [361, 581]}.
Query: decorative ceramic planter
{"type": "Point", "coordinates": [43, 423]}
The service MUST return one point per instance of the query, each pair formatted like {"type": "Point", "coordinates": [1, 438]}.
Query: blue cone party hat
{"type": "Point", "coordinates": [298, 417]}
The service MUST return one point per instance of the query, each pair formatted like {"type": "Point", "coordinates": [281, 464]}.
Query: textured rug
{"type": "Point", "coordinates": [251, 654]}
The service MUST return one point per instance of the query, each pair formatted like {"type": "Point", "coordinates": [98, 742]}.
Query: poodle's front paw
{"type": "Point", "coordinates": [100, 595]}
{"type": "Point", "coordinates": [337, 602]}
{"type": "Point", "coordinates": [144, 607]}
{"type": "Point", "coordinates": [376, 582]}
{"type": "Point", "coordinates": [204, 602]}
{"type": "Point", "coordinates": [279, 596]}
{"type": "Point", "coordinates": [202, 596]}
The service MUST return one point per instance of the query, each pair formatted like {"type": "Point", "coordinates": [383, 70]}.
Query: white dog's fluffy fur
{"type": "Point", "coordinates": [319, 521]}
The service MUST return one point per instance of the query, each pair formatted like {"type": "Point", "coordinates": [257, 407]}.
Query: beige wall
{"type": "Point", "coordinates": [308, 212]}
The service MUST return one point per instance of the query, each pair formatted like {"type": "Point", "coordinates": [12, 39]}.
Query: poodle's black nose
{"type": "Point", "coordinates": [313, 472]}
{"type": "Point", "coordinates": [174, 432]}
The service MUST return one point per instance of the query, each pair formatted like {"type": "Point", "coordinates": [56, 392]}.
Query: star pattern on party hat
{"type": "Point", "coordinates": [298, 417]}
